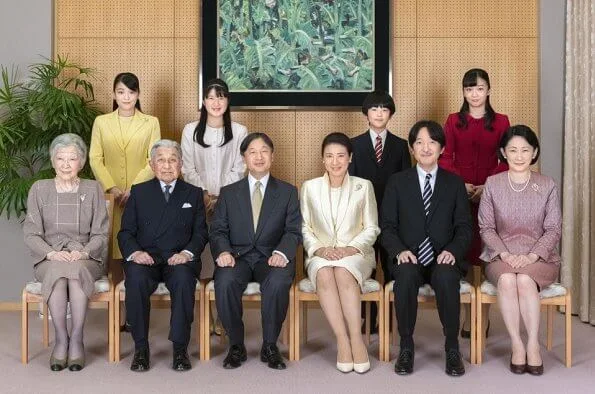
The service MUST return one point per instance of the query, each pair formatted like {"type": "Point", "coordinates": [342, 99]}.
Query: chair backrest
{"type": "Point", "coordinates": [109, 205]}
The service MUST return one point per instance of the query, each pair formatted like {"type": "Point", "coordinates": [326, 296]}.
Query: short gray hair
{"type": "Point", "coordinates": [166, 144]}
{"type": "Point", "coordinates": [66, 140]}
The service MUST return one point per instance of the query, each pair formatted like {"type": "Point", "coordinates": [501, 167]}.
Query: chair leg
{"type": "Point", "coordinates": [110, 330]}
{"type": "Point", "coordinates": [200, 326]}
{"type": "Point", "coordinates": [296, 324]}
{"type": "Point", "coordinates": [550, 327]}
{"type": "Point", "coordinates": [206, 327]}
{"type": "Point", "coordinates": [381, 336]}
{"type": "Point", "coordinates": [46, 325]}
{"type": "Point", "coordinates": [479, 324]}
{"type": "Point", "coordinates": [290, 325]}
{"type": "Point", "coordinates": [368, 306]}
{"type": "Point", "coordinates": [395, 329]}
{"type": "Point", "coordinates": [116, 325]}
{"type": "Point", "coordinates": [568, 315]}
{"type": "Point", "coordinates": [386, 324]}
{"type": "Point", "coordinates": [24, 329]}
{"type": "Point", "coordinates": [473, 341]}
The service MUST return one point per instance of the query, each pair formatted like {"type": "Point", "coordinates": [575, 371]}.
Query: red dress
{"type": "Point", "coordinates": [472, 153]}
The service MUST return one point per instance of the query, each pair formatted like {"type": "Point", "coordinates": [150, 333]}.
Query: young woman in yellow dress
{"type": "Point", "coordinates": [120, 146]}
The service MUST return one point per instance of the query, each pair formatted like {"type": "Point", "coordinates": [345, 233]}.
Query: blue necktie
{"type": "Point", "coordinates": [425, 253]}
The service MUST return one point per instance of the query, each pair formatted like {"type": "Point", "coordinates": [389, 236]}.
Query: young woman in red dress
{"type": "Point", "coordinates": [472, 139]}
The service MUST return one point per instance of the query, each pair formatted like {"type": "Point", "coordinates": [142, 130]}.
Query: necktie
{"type": "Point", "coordinates": [256, 203]}
{"type": "Point", "coordinates": [378, 148]}
{"type": "Point", "coordinates": [166, 192]}
{"type": "Point", "coordinates": [425, 255]}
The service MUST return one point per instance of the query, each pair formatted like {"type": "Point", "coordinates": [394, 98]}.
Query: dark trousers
{"type": "Point", "coordinates": [230, 284]}
{"type": "Point", "coordinates": [384, 263]}
{"type": "Point", "coordinates": [142, 280]}
{"type": "Point", "coordinates": [445, 280]}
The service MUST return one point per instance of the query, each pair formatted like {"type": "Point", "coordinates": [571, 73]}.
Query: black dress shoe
{"type": "Point", "coordinates": [235, 356]}
{"type": "Point", "coordinates": [270, 354]}
{"type": "Point", "coordinates": [404, 364]}
{"type": "Point", "coordinates": [181, 361]}
{"type": "Point", "coordinates": [140, 361]}
{"type": "Point", "coordinates": [454, 363]}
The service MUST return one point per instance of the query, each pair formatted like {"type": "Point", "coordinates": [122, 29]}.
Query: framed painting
{"type": "Point", "coordinates": [297, 53]}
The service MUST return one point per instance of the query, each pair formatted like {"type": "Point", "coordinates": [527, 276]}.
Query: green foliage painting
{"type": "Point", "coordinates": [288, 45]}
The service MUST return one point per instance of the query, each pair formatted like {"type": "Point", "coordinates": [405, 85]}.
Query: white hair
{"type": "Point", "coordinates": [166, 144]}
{"type": "Point", "coordinates": [69, 139]}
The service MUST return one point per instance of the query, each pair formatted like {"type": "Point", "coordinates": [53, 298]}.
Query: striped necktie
{"type": "Point", "coordinates": [256, 203]}
{"type": "Point", "coordinates": [425, 254]}
{"type": "Point", "coordinates": [378, 148]}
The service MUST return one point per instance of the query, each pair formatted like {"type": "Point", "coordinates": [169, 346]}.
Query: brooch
{"type": "Point", "coordinates": [83, 197]}
{"type": "Point", "coordinates": [358, 186]}
{"type": "Point", "coordinates": [535, 187]}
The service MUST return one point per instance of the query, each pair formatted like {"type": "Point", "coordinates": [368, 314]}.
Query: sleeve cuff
{"type": "Point", "coordinates": [281, 254]}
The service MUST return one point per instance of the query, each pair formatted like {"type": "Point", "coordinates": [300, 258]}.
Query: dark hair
{"type": "Point", "coordinates": [519, 131]}
{"type": "Point", "coordinates": [378, 98]}
{"type": "Point", "coordinates": [131, 82]}
{"type": "Point", "coordinates": [337, 138]}
{"type": "Point", "coordinates": [221, 90]}
{"type": "Point", "coordinates": [254, 136]}
{"type": "Point", "coordinates": [434, 130]}
{"type": "Point", "coordinates": [469, 80]}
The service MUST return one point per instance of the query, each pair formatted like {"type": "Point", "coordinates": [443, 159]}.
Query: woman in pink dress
{"type": "Point", "coordinates": [520, 224]}
{"type": "Point", "coordinates": [471, 151]}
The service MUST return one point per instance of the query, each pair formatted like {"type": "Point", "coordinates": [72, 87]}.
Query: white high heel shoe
{"type": "Point", "coordinates": [362, 367]}
{"type": "Point", "coordinates": [345, 367]}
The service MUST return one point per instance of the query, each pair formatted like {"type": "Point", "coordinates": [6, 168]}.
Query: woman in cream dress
{"type": "Point", "coordinates": [340, 226]}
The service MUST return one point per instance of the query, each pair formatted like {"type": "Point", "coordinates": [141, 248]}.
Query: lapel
{"type": "Point", "coordinates": [440, 189]}
{"type": "Point", "coordinates": [244, 202]}
{"type": "Point", "coordinates": [325, 200]}
{"type": "Point", "coordinates": [415, 191]}
{"type": "Point", "coordinates": [169, 211]}
{"type": "Point", "coordinates": [269, 202]}
{"type": "Point", "coordinates": [370, 149]}
{"type": "Point", "coordinates": [114, 128]}
{"type": "Point", "coordinates": [138, 121]}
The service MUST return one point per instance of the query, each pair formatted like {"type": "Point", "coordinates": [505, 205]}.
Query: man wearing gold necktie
{"type": "Point", "coordinates": [255, 231]}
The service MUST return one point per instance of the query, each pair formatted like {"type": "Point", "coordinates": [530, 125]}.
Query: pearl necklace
{"type": "Point", "coordinates": [521, 189]}
{"type": "Point", "coordinates": [62, 188]}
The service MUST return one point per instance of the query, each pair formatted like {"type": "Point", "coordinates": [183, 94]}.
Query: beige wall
{"type": "Point", "coordinates": [433, 44]}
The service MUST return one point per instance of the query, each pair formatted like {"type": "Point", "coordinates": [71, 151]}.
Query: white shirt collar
{"type": "Point", "coordinates": [421, 175]}
{"type": "Point", "coordinates": [263, 181]}
{"type": "Point", "coordinates": [382, 135]}
{"type": "Point", "coordinates": [172, 184]}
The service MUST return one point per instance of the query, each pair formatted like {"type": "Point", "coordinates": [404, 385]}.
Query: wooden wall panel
{"type": "Point", "coordinates": [477, 18]}
{"type": "Point", "coordinates": [404, 18]}
{"type": "Point", "coordinates": [404, 85]}
{"type": "Point", "coordinates": [187, 18]}
{"type": "Point", "coordinates": [115, 18]}
{"type": "Point", "coordinates": [186, 100]}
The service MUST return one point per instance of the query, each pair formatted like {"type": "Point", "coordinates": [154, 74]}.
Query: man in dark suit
{"type": "Point", "coordinates": [377, 154]}
{"type": "Point", "coordinates": [426, 231]}
{"type": "Point", "coordinates": [162, 236]}
{"type": "Point", "coordinates": [255, 230]}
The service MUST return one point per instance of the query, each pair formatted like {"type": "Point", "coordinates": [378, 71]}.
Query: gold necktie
{"type": "Point", "coordinates": [256, 203]}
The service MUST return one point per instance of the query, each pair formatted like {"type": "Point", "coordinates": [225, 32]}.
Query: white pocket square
{"type": "Point", "coordinates": [187, 205]}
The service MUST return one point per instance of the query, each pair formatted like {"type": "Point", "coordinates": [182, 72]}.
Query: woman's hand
{"type": "Point", "coordinates": [347, 251]}
{"type": "Point", "coordinates": [76, 255]}
{"type": "Point", "coordinates": [328, 253]}
{"type": "Point", "coordinates": [470, 189]}
{"type": "Point", "coordinates": [116, 192]}
{"type": "Point", "coordinates": [124, 198]}
{"type": "Point", "coordinates": [509, 259]}
{"type": "Point", "coordinates": [62, 255]}
{"type": "Point", "coordinates": [477, 194]}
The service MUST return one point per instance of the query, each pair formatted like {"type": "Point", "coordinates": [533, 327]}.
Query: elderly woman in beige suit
{"type": "Point", "coordinates": [120, 146]}
{"type": "Point", "coordinates": [340, 226]}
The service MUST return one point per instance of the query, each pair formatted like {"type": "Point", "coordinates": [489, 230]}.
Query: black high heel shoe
{"type": "Point", "coordinates": [57, 364]}
{"type": "Point", "coordinates": [467, 334]}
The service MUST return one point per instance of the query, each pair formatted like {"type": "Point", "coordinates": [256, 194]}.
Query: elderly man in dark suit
{"type": "Point", "coordinates": [255, 231]}
{"type": "Point", "coordinates": [426, 231]}
{"type": "Point", "coordinates": [162, 236]}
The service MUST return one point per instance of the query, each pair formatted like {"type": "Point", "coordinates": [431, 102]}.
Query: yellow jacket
{"type": "Point", "coordinates": [122, 160]}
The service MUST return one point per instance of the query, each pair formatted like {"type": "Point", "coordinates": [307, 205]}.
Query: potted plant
{"type": "Point", "coordinates": [57, 98]}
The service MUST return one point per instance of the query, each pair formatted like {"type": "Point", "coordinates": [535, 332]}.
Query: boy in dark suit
{"type": "Point", "coordinates": [426, 231]}
{"type": "Point", "coordinates": [162, 236]}
{"type": "Point", "coordinates": [377, 154]}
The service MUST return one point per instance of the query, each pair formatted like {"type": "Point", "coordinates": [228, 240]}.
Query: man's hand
{"type": "Point", "coordinates": [225, 259]}
{"type": "Point", "coordinates": [59, 256]}
{"type": "Point", "coordinates": [406, 257]}
{"type": "Point", "coordinates": [143, 258]}
{"type": "Point", "coordinates": [445, 257]}
{"type": "Point", "coordinates": [179, 258]}
{"type": "Point", "coordinates": [276, 260]}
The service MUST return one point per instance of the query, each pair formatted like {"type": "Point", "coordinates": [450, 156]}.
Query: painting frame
{"type": "Point", "coordinates": [283, 99]}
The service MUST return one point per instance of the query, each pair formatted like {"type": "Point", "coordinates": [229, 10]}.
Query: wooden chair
{"type": "Point", "coordinates": [304, 293]}
{"type": "Point", "coordinates": [427, 296]}
{"type": "Point", "coordinates": [251, 294]}
{"type": "Point", "coordinates": [104, 293]}
{"type": "Point", "coordinates": [160, 296]}
{"type": "Point", "coordinates": [552, 296]}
